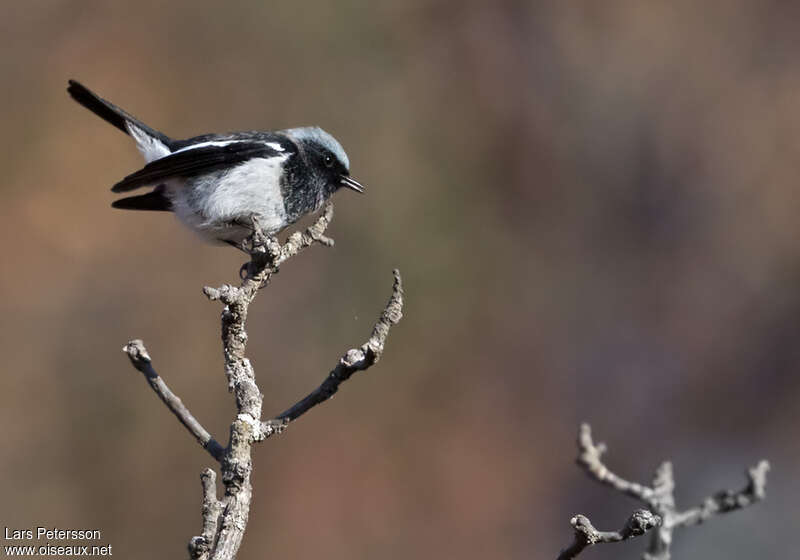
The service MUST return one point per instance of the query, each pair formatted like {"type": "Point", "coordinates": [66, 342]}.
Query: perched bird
{"type": "Point", "coordinates": [217, 183]}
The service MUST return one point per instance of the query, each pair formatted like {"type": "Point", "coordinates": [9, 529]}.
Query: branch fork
{"type": "Point", "coordinates": [663, 515]}
{"type": "Point", "coordinates": [225, 519]}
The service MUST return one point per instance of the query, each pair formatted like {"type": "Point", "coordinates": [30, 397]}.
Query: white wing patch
{"type": "Point", "coordinates": [151, 148]}
{"type": "Point", "coordinates": [204, 144]}
{"type": "Point", "coordinates": [274, 145]}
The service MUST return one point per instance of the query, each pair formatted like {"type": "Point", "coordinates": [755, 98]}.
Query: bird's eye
{"type": "Point", "coordinates": [328, 161]}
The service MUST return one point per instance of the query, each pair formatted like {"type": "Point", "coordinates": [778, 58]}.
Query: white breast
{"type": "Point", "coordinates": [211, 204]}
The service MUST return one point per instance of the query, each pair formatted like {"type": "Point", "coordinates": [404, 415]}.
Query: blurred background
{"type": "Point", "coordinates": [594, 207]}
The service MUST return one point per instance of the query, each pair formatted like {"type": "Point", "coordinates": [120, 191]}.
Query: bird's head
{"type": "Point", "coordinates": [326, 158]}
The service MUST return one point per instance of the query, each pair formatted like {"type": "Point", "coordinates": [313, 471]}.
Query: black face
{"type": "Point", "coordinates": [310, 180]}
{"type": "Point", "coordinates": [335, 173]}
{"type": "Point", "coordinates": [329, 167]}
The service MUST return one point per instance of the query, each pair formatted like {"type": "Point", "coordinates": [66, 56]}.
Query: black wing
{"type": "Point", "coordinates": [196, 161]}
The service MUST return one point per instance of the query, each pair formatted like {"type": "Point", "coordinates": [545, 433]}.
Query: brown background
{"type": "Point", "coordinates": [595, 209]}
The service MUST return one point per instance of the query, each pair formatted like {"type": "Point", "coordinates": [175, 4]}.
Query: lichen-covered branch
{"type": "Point", "coordinates": [200, 547]}
{"type": "Point", "coordinates": [660, 498]}
{"type": "Point", "coordinates": [586, 535]}
{"type": "Point", "coordinates": [225, 519]}
{"type": "Point", "coordinates": [266, 257]}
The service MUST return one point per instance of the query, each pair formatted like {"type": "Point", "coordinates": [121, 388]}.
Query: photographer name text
{"type": "Point", "coordinates": [54, 533]}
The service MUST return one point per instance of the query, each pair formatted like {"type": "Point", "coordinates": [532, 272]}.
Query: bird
{"type": "Point", "coordinates": [220, 184]}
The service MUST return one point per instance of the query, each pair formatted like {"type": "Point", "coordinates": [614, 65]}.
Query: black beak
{"type": "Point", "coordinates": [351, 183]}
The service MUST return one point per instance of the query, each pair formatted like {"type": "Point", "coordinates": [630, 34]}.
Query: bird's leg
{"type": "Point", "coordinates": [257, 238]}
{"type": "Point", "coordinates": [256, 245]}
{"type": "Point", "coordinates": [248, 244]}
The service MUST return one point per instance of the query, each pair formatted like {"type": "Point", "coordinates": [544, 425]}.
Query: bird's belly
{"type": "Point", "coordinates": [220, 205]}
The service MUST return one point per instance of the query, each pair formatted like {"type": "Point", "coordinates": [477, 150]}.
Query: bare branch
{"type": "Point", "coordinates": [589, 455]}
{"type": "Point", "coordinates": [140, 359]}
{"type": "Point", "coordinates": [200, 547]}
{"type": "Point", "coordinates": [660, 499]}
{"type": "Point", "coordinates": [266, 256]}
{"type": "Point", "coordinates": [302, 240]}
{"type": "Point", "coordinates": [353, 360]}
{"type": "Point", "coordinates": [586, 535]}
{"type": "Point", "coordinates": [225, 520]}
{"type": "Point", "coordinates": [727, 500]}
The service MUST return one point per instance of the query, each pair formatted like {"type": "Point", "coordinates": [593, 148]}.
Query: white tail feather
{"type": "Point", "coordinates": [151, 148]}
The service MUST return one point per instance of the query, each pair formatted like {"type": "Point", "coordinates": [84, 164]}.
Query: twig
{"type": "Point", "coordinates": [660, 497]}
{"type": "Point", "coordinates": [589, 457]}
{"type": "Point", "coordinates": [200, 547]}
{"type": "Point", "coordinates": [354, 360]}
{"type": "Point", "coordinates": [141, 361]}
{"type": "Point", "coordinates": [726, 500]}
{"type": "Point", "coordinates": [586, 535]}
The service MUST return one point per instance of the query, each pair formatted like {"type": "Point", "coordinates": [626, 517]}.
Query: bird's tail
{"type": "Point", "coordinates": [152, 143]}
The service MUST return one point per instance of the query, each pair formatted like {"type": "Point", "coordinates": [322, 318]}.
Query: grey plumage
{"type": "Point", "coordinates": [216, 183]}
